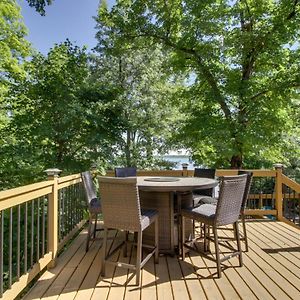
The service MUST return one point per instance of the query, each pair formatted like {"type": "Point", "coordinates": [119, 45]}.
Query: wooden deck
{"type": "Point", "coordinates": [271, 271]}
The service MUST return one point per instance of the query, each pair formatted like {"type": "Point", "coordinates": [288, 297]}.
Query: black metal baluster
{"type": "Point", "coordinates": [1, 251]}
{"type": "Point", "coordinates": [32, 233]}
{"type": "Point", "coordinates": [10, 248]}
{"type": "Point", "coordinates": [43, 228]}
{"type": "Point", "coordinates": [18, 241]}
{"type": "Point", "coordinates": [61, 215]}
{"type": "Point", "coordinates": [38, 230]}
{"type": "Point", "coordinates": [25, 236]}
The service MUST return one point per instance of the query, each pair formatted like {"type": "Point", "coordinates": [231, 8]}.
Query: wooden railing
{"type": "Point", "coordinates": [37, 220]}
{"type": "Point", "coordinates": [35, 223]}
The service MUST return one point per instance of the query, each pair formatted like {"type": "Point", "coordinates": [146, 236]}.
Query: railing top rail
{"type": "Point", "coordinates": [291, 183]}
{"type": "Point", "coordinates": [68, 178]}
{"type": "Point", "coordinates": [256, 172]}
{"type": "Point", "coordinates": [24, 189]}
{"type": "Point", "coordinates": [219, 172]}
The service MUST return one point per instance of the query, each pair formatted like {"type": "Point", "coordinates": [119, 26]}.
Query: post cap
{"type": "Point", "coordinates": [53, 172]}
{"type": "Point", "coordinates": [278, 166]}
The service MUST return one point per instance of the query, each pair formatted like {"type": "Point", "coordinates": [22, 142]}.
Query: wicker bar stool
{"type": "Point", "coordinates": [214, 201]}
{"type": "Point", "coordinates": [121, 211]}
{"type": "Point", "coordinates": [199, 194]}
{"type": "Point", "coordinates": [125, 172]}
{"type": "Point", "coordinates": [224, 213]}
{"type": "Point", "coordinates": [94, 207]}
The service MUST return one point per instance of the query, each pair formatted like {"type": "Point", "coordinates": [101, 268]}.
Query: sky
{"type": "Point", "coordinates": [72, 19]}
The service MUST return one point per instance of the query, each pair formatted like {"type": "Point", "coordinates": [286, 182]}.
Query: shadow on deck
{"type": "Point", "coordinates": [271, 271]}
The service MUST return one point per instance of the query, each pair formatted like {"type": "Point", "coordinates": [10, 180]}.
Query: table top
{"type": "Point", "coordinates": [174, 184]}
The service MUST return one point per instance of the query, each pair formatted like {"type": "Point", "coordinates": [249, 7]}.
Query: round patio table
{"type": "Point", "coordinates": [164, 194]}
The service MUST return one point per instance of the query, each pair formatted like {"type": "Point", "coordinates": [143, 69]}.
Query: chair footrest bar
{"type": "Point", "coordinates": [122, 265]}
{"type": "Point", "coordinates": [229, 256]}
{"type": "Point", "coordinates": [145, 260]}
{"type": "Point", "coordinates": [114, 250]}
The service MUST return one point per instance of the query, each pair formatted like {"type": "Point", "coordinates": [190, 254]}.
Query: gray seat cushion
{"type": "Point", "coordinates": [208, 200]}
{"type": "Point", "coordinates": [148, 216]}
{"type": "Point", "coordinates": [203, 213]}
{"type": "Point", "coordinates": [95, 206]}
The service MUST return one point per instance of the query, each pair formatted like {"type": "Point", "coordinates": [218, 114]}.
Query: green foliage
{"type": "Point", "coordinates": [146, 92]}
{"type": "Point", "coordinates": [13, 46]}
{"type": "Point", "coordinates": [244, 60]}
{"type": "Point", "coordinates": [59, 117]}
{"type": "Point", "coordinates": [39, 5]}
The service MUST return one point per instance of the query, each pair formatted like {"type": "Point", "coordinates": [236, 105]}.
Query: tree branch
{"type": "Point", "coordinates": [203, 68]}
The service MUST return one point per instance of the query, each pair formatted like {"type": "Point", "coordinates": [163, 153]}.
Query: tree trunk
{"type": "Point", "coordinates": [236, 161]}
{"type": "Point", "coordinates": [127, 149]}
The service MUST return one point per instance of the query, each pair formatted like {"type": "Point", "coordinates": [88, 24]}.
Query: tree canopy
{"type": "Point", "coordinates": [39, 5]}
{"type": "Point", "coordinates": [58, 117]}
{"type": "Point", "coordinates": [14, 48]}
{"type": "Point", "coordinates": [242, 58]}
{"type": "Point", "coordinates": [146, 93]}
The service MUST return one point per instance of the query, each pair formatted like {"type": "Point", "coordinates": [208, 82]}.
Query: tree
{"type": "Point", "coordinates": [145, 95]}
{"type": "Point", "coordinates": [13, 46]}
{"type": "Point", "coordinates": [13, 51]}
{"type": "Point", "coordinates": [244, 60]}
{"type": "Point", "coordinates": [39, 5]}
{"type": "Point", "coordinates": [58, 117]}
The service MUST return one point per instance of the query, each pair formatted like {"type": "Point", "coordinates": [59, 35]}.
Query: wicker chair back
{"type": "Point", "coordinates": [230, 199]}
{"type": "Point", "coordinates": [125, 172]}
{"type": "Point", "coordinates": [89, 187]}
{"type": "Point", "coordinates": [120, 203]}
{"type": "Point", "coordinates": [248, 186]}
{"type": "Point", "coordinates": [205, 173]}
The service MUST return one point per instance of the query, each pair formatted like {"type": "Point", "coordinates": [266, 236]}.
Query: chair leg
{"type": "Point", "coordinates": [236, 227]}
{"type": "Point", "coordinates": [216, 240]}
{"type": "Point", "coordinates": [125, 244]}
{"type": "Point", "coordinates": [103, 258]}
{"type": "Point", "coordinates": [156, 241]}
{"type": "Point", "coordinates": [89, 233]}
{"type": "Point", "coordinates": [205, 237]}
{"type": "Point", "coordinates": [95, 227]}
{"type": "Point", "coordinates": [182, 238]}
{"type": "Point", "coordinates": [138, 258]}
{"type": "Point", "coordinates": [208, 238]}
{"type": "Point", "coordinates": [245, 232]}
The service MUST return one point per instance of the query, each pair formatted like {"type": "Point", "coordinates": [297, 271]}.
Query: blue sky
{"type": "Point", "coordinates": [64, 19]}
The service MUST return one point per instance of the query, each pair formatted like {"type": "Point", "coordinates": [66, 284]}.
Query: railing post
{"type": "Point", "coordinates": [53, 174]}
{"type": "Point", "coordinates": [184, 169]}
{"type": "Point", "coordinates": [278, 190]}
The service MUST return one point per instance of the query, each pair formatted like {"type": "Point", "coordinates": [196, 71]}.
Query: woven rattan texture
{"type": "Point", "coordinates": [248, 186]}
{"type": "Point", "coordinates": [88, 186]}
{"type": "Point", "coordinates": [163, 203]}
{"type": "Point", "coordinates": [125, 172]}
{"type": "Point", "coordinates": [230, 199]}
{"type": "Point", "coordinates": [120, 203]}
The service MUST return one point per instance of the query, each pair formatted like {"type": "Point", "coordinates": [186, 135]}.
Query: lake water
{"type": "Point", "coordinates": [179, 160]}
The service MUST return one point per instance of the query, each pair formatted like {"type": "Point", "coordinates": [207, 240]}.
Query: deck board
{"type": "Point", "coordinates": [271, 271]}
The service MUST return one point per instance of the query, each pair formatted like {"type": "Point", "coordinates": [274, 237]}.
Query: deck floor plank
{"type": "Point", "coordinates": [223, 284]}
{"type": "Point", "coordinates": [49, 276]}
{"type": "Point", "coordinates": [269, 245]}
{"type": "Point", "coordinates": [71, 288]}
{"type": "Point", "coordinates": [274, 271]}
{"type": "Point", "coordinates": [148, 290]}
{"type": "Point", "coordinates": [90, 281]}
{"type": "Point", "coordinates": [178, 285]}
{"type": "Point", "coordinates": [236, 280]}
{"type": "Point", "coordinates": [164, 288]}
{"type": "Point", "coordinates": [132, 292]}
{"type": "Point", "coordinates": [271, 271]}
{"type": "Point", "coordinates": [191, 279]}
{"type": "Point", "coordinates": [208, 283]}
